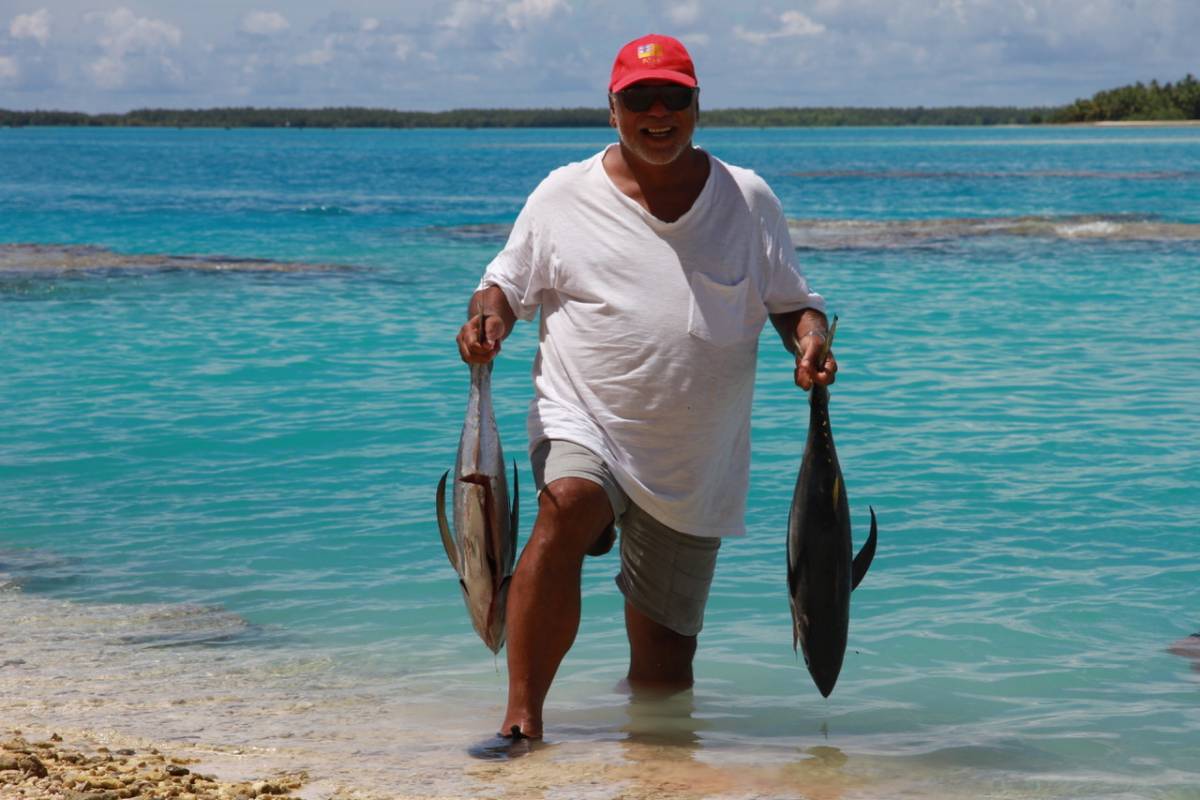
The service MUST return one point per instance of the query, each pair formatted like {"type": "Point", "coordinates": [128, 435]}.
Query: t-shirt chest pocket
{"type": "Point", "coordinates": [724, 313]}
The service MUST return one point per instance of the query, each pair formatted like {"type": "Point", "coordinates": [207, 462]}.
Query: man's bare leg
{"type": "Point", "coordinates": [659, 658]}
{"type": "Point", "coordinates": [543, 599]}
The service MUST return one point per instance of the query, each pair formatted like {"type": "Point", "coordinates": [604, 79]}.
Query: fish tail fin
{"type": "Point", "coordinates": [444, 524]}
{"type": "Point", "coordinates": [862, 561]}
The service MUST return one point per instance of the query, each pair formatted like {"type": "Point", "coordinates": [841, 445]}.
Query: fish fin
{"type": "Point", "coordinates": [862, 561]}
{"type": "Point", "coordinates": [795, 627]}
{"type": "Point", "coordinates": [837, 489]}
{"type": "Point", "coordinates": [502, 596]}
{"type": "Point", "coordinates": [516, 514]}
{"type": "Point", "coordinates": [444, 525]}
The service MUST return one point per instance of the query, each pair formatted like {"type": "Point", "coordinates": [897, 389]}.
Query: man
{"type": "Point", "coordinates": [655, 266]}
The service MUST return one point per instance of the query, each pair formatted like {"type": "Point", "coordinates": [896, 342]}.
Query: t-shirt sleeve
{"type": "Point", "coordinates": [521, 270]}
{"type": "Point", "coordinates": [786, 287]}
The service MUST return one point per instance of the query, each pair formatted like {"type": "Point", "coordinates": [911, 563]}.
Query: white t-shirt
{"type": "Point", "coordinates": [649, 331]}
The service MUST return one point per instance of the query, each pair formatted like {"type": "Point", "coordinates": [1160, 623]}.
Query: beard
{"type": "Point", "coordinates": [657, 153]}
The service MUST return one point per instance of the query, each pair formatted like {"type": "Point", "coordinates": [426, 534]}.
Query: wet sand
{"type": "Point", "coordinates": [35, 765]}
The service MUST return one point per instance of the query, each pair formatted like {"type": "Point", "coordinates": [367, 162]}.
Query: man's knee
{"type": "Point", "coordinates": [573, 511]}
{"type": "Point", "coordinates": [648, 634]}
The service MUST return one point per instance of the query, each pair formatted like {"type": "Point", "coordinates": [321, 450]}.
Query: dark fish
{"type": "Point", "coordinates": [485, 547]}
{"type": "Point", "coordinates": [820, 572]}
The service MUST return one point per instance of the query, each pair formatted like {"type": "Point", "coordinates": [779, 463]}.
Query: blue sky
{"type": "Point", "coordinates": [114, 55]}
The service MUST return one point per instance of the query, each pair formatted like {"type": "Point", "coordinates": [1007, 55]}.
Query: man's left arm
{"type": "Point", "coordinates": [804, 333]}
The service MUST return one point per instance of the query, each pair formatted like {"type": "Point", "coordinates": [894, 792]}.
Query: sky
{"type": "Point", "coordinates": [117, 55]}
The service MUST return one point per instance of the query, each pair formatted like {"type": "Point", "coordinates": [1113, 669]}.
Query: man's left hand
{"type": "Point", "coordinates": [808, 372]}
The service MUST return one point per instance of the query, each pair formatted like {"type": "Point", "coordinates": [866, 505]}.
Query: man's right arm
{"type": "Point", "coordinates": [489, 321]}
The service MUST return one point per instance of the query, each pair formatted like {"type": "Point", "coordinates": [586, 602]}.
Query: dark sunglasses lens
{"type": "Point", "coordinates": [642, 98]}
{"type": "Point", "coordinates": [677, 98]}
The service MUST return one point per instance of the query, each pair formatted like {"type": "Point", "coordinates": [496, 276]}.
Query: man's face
{"type": "Point", "coordinates": [658, 135]}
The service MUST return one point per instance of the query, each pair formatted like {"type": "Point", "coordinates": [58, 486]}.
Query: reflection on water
{"type": "Point", "coordinates": [666, 755]}
{"type": "Point", "coordinates": [661, 719]}
{"type": "Point", "coordinates": [1188, 647]}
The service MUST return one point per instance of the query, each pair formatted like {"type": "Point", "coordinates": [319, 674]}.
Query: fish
{"type": "Point", "coordinates": [483, 546]}
{"type": "Point", "coordinates": [820, 572]}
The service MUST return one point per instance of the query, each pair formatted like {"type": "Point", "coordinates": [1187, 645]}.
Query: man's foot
{"type": "Point", "coordinates": [504, 746]}
{"type": "Point", "coordinates": [604, 543]}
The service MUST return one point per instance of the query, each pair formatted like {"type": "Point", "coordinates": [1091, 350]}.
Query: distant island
{"type": "Point", "coordinates": [1156, 102]}
{"type": "Point", "coordinates": [1137, 102]}
{"type": "Point", "coordinates": [513, 118]}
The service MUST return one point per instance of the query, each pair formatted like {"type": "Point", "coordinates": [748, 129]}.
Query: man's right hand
{"type": "Point", "coordinates": [479, 338]}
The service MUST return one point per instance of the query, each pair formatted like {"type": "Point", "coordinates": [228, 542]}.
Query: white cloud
{"type": "Point", "coordinates": [685, 13]}
{"type": "Point", "coordinates": [264, 23]}
{"type": "Point", "coordinates": [523, 12]}
{"type": "Point", "coordinates": [321, 56]}
{"type": "Point", "coordinates": [402, 46]}
{"type": "Point", "coordinates": [462, 14]}
{"type": "Point", "coordinates": [957, 8]}
{"type": "Point", "coordinates": [8, 70]}
{"type": "Point", "coordinates": [369, 24]}
{"type": "Point", "coordinates": [470, 14]}
{"type": "Point", "coordinates": [136, 50]}
{"type": "Point", "coordinates": [791, 23]}
{"type": "Point", "coordinates": [695, 39]}
{"type": "Point", "coordinates": [129, 33]}
{"type": "Point", "coordinates": [31, 26]}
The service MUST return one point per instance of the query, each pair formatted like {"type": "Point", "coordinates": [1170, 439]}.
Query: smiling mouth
{"type": "Point", "coordinates": [658, 133]}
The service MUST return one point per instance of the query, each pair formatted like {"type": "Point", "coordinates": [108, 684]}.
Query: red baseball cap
{"type": "Point", "coordinates": [652, 57]}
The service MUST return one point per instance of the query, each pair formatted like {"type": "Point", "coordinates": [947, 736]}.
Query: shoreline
{"type": "Point", "coordinates": [1166, 123]}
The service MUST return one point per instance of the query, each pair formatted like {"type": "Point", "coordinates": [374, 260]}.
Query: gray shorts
{"type": "Point", "coordinates": [665, 574]}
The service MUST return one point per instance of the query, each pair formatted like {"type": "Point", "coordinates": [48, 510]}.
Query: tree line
{"type": "Point", "coordinates": [1139, 101]}
{"type": "Point", "coordinates": [515, 118]}
{"type": "Point", "coordinates": [1155, 101]}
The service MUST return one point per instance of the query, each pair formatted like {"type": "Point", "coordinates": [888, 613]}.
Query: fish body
{"type": "Point", "coordinates": [820, 570]}
{"type": "Point", "coordinates": [483, 545]}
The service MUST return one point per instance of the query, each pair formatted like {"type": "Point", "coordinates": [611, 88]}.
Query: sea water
{"type": "Point", "coordinates": [229, 385]}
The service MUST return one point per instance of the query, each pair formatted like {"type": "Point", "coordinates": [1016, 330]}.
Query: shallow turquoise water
{"type": "Point", "coordinates": [236, 466]}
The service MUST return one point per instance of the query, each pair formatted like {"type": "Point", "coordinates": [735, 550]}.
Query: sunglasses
{"type": "Point", "coordinates": [642, 98]}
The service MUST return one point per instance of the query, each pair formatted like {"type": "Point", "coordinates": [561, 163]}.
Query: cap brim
{"type": "Point", "coordinates": [654, 75]}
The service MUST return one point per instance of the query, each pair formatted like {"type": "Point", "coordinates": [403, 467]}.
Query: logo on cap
{"type": "Point", "coordinates": [645, 52]}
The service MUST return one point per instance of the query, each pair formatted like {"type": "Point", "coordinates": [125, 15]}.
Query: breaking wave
{"type": "Point", "coordinates": [58, 259]}
{"type": "Point", "coordinates": [838, 234]}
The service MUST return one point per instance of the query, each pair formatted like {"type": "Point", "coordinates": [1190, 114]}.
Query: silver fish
{"type": "Point", "coordinates": [820, 572]}
{"type": "Point", "coordinates": [485, 547]}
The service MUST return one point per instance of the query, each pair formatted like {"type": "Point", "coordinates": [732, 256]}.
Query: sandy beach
{"type": "Point", "coordinates": [89, 765]}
